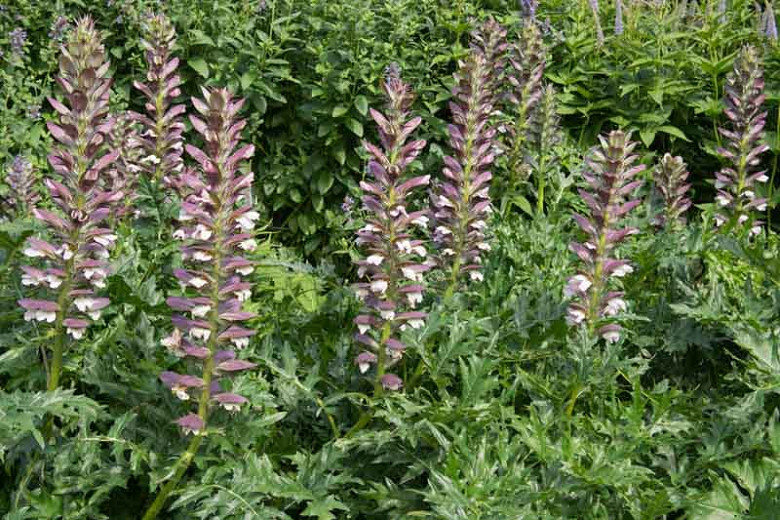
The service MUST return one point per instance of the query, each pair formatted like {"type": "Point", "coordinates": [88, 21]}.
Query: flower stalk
{"type": "Point", "coordinates": [395, 260]}
{"type": "Point", "coordinates": [73, 262]}
{"type": "Point", "coordinates": [217, 223]}
{"type": "Point", "coordinates": [461, 202]}
{"type": "Point", "coordinates": [609, 175]}
{"type": "Point", "coordinates": [671, 180]}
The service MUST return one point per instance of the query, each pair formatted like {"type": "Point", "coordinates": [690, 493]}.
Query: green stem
{"type": "Point", "coordinates": [180, 468]}
{"type": "Point", "coordinates": [542, 179]}
{"type": "Point", "coordinates": [382, 358]}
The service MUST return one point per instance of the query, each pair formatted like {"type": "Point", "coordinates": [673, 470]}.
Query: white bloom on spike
{"type": "Point", "coordinates": [421, 221]}
{"type": "Point", "coordinates": [245, 270]}
{"type": "Point", "coordinates": [414, 298]}
{"type": "Point", "coordinates": [361, 292]}
{"type": "Point", "coordinates": [76, 333]}
{"type": "Point", "coordinates": [748, 194]}
{"type": "Point", "coordinates": [420, 251]}
{"type": "Point", "coordinates": [65, 252]}
{"type": "Point", "coordinates": [483, 193]}
{"type": "Point", "coordinates": [243, 295]}
{"type": "Point", "coordinates": [94, 315]}
{"type": "Point", "coordinates": [363, 367]}
{"type": "Point", "coordinates": [722, 200]}
{"type": "Point", "coordinates": [761, 207]}
{"type": "Point", "coordinates": [53, 281]}
{"type": "Point", "coordinates": [151, 159]}
{"type": "Point", "coordinates": [411, 274]}
{"type": "Point", "coordinates": [197, 282]}
{"type": "Point", "coordinates": [180, 392]}
{"type": "Point", "coordinates": [173, 341]}
{"type": "Point", "coordinates": [448, 252]}
{"type": "Point", "coordinates": [615, 306]}
{"type": "Point", "coordinates": [240, 342]}
{"type": "Point", "coordinates": [28, 280]}
{"type": "Point", "coordinates": [611, 336]}
{"type": "Point", "coordinates": [375, 259]}
{"type": "Point", "coordinates": [200, 311]}
{"type": "Point", "coordinates": [443, 230]}
{"type": "Point", "coordinates": [379, 286]}
{"type": "Point", "coordinates": [622, 270]}
{"type": "Point", "coordinates": [404, 246]}
{"type": "Point", "coordinates": [247, 220]}
{"type": "Point", "coordinates": [483, 246]}
{"type": "Point", "coordinates": [742, 218]}
{"type": "Point", "coordinates": [476, 276]}
{"type": "Point", "coordinates": [199, 333]}
{"type": "Point", "coordinates": [99, 283]}
{"type": "Point", "coordinates": [387, 314]}
{"type": "Point", "coordinates": [201, 232]}
{"type": "Point", "coordinates": [369, 228]}
{"type": "Point", "coordinates": [179, 234]}
{"type": "Point", "coordinates": [84, 303]}
{"type": "Point", "coordinates": [47, 316]}
{"type": "Point", "coordinates": [363, 328]}
{"type": "Point", "coordinates": [577, 284]}
{"type": "Point", "coordinates": [33, 253]}
{"type": "Point", "coordinates": [102, 254]}
{"type": "Point", "coordinates": [248, 245]}
{"type": "Point", "coordinates": [478, 224]}
{"type": "Point", "coordinates": [719, 220]}
{"type": "Point", "coordinates": [575, 316]}
{"type": "Point", "coordinates": [105, 240]}
{"type": "Point", "coordinates": [416, 323]}
{"type": "Point", "coordinates": [201, 256]}
{"type": "Point", "coordinates": [444, 201]}
{"type": "Point", "coordinates": [231, 407]}
{"type": "Point", "coordinates": [398, 210]}
{"type": "Point", "coordinates": [590, 245]}
{"type": "Point", "coordinates": [94, 272]}
{"type": "Point", "coordinates": [755, 230]}
{"type": "Point", "coordinates": [762, 178]}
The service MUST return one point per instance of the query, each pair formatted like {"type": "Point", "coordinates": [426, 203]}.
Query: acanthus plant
{"type": "Point", "coordinates": [461, 202]}
{"type": "Point", "coordinates": [671, 179]}
{"type": "Point", "coordinates": [544, 134]}
{"type": "Point", "coordinates": [737, 183]}
{"type": "Point", "coordinates": [124, 173]}
{"type": "Point", "coordinates": [73, 261]}
{"type": "Point", "coordinates": [609, 175]}
{"type": "Point", "coordinates": [217, 223]}
{"type": "Point", "coordinates": [162, 126]}
{"type": "Point", "coordinates": [395, 260]}
{"type": "Point", "coordinates": [22, 195]}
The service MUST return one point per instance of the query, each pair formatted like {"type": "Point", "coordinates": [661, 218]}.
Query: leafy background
{"type": "Point", "coordinates": [514, 416]}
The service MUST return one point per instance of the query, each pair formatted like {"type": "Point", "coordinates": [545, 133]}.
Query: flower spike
{"type": "Point", "coordinates": [610, 176]}
{"type": "Point", "coordinates": [671, 176]}
{"type": "Point", "coordinates": [395, 260]}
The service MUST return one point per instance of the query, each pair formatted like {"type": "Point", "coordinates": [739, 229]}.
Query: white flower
{"type": "Point", "coordinates": [476, 276]}
{"type": "Point", "coordinates": [420, 251]}
{"type": "Point", "coordinates": [65, 252]}
{"type": "Point", "coordinates": [151, 159]}
{"type": "Point", "coordinates": [180, 392]}
{"type": "Point", "coordinates": [448, 252]}
{"type": "Point", "coordinates": [614, 306]}
{"type": "Point", "coordinates": [576, 284]}
{"type": "Point", "coordinates": [33, 253]}
{"type": "Point", "coordinates": [369, 228]}
{"type": "Point", "coordinates": [201, 256]}
{"type": "Point", "coordinates": [722, 200]}
{"type": "Point", "coordinates": [197, 282]}
{"type": "Point", "coordinates": [387, 315]}
{"type": "Point", "coordinates": [755, 230]}
{"type": "Point", "coordinates": [483, 246]}
{"type": "Point", "coordinates": [719, 220]}
{"type": "Point", "coordinates": [622, 270]}
{"type": "Point", "coordinates": [742, 218]}
{"type": "Point", "coordinates": [762, 178]}
{"type": "Point", "coordinates": [379, 286]}
{"type": "Point", "coordinates": [105, 240]}
{"type": "Point", "coordinates": [94, 315]}
{"type": "Point", "coordinates": [611, 336]}
{"type": "Point", "coordinates": [444, 201]}
{"type": "Point", "coordinates": [53, 281]}
{"type": "Point", "coordinates": [231, 407]}
{"type": "Point", "coordinates": [200, 311]}
{"type": "Point", "coordinates": [245, 270]}
{"type": "Point", "coordinates": [199, 333]}
{"type": "Point", "coordinates": [478, 224]}
{"type": "Point", "coordinates": [575, 316]}
{"type": "Point", "coordinates": [47, 316]}
{"type": "Point", "coordinates": [173, 341]}
{"type": "Point", "coordinates": [248, 245]}
{"type": "Point", "coordinates": [243, 295]}
{"type": "Point", "coordinates": [748, 194]}
{"type": "Point", "coordinates": [94, 272]}
{"type": "Point", "coordinates": [411, 274]}
{"type": "Point", "coordinates": [421, 221]}
{"type": "Point", "coordinates": [375, 259]}
{"type": "Point", "coordinates": [443, 230]}
{"type": "Point", "coordinates": [240, 342]}
{"type": "Point", "coordinates": [414, 298]}
{"type": "Point", "coordinates": [28, 280]}
{"type": "Point", "coordinates": [363, 328]}
{"type": "Point", "coordinates": [76, 333]}
{"type": "Point", "coordinates": [361, 292]}
{"type": "Point", "coordinates": [184, 216]}
{"type": "Point", "coordinates": [84, 303]}
{"type": "Point", "coordinates": [761, 207]}
{"type": "Point", "coordinates": [99, 283]}
{"type": "Point", "coordinates": [363, 367]}
{"type": "Point", "coordinates": [201, 232]}
{"type": "Point", "coordinates": [404, 246]}
{"type": "Point", "coordinates": [416, 323]}
{"type": "Point", "coordinates": [247, 220]}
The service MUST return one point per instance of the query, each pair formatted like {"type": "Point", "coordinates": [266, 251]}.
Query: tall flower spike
{"type": "Point", "coordinates": [671, 179]}
{"type": "Point", "coordinates": [21, 196]}
{"type": "Point", "coordinates": [73, 261]}
{"type": "Point", "coordinates": [609, 174]}
{"type": "Point", "coordinates": [737, 183]}
{"type": "Point", "coordinates": [544, 133]}
{"type": "Point", "coordinates": [161, 137]}
{"type": "Point", "coordinates": [394, 258]}
{"type": "Point", "coordinates": [124, 172]}
{"type": "Point", "coordinates": [461, 202]}
{"type": "Point", "coordinates": [769, 24]}
{"type": "Point", "coordinates": [619, 17]}
{"type": "Point", "coordinates": [594, 8]}
{"type": "Point", "coordinates": [527, 62]}
{"type": "Point", "coordinates": [217, 227]}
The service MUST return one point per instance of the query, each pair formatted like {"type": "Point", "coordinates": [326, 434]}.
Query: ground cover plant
{"type": "Point", "coordinates": [386, 260]}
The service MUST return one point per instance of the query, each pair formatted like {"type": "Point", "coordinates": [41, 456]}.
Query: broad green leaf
{"type": "Point", "coordinates": [361, 104]}
{"type": "Point", "coordinates": [200, 66]}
